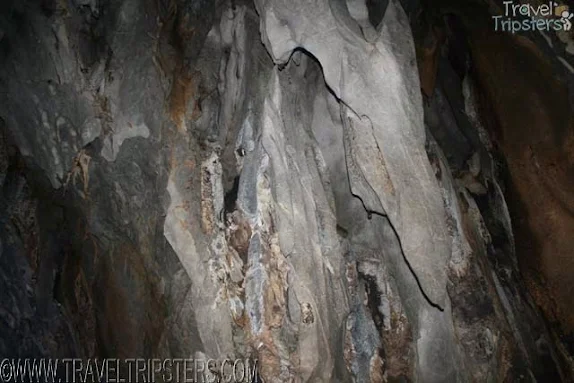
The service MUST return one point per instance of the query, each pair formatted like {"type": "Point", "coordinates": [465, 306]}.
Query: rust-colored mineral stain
{"type": "Point", "coordinates": [181, 93]}
{"type": "Point", "coordinates": [427, 57]}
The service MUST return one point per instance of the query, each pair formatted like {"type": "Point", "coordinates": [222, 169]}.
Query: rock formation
{"type": "Point", "coordinates": [344, 190]}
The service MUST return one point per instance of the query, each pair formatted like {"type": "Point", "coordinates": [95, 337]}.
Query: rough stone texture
{"type": "Point", "coordinates": [91, 77]}
{"type": "Point", "coordinates": [374, 76]}
{"type": "Point", "coordinates": [540, 166]}
{"type": "Point", "coordinates": [524, 93]}
{"type": "Point", "coordinates": [31, 324]}
{"type": "Point", "coordinates": [191, 192]}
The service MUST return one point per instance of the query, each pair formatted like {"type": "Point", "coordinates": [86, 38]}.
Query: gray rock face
{"type": "Point", "coordinates": [291, 201]}
{"type": "Point", "coordinates": [377, 83]}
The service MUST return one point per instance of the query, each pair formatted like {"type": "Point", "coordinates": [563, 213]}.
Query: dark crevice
{"type": "Point", "coordinates": [377, 9]}
{"type": "Point", "coordinates": [230, 198]}
{"type": "Point", "coordinates": [373, 301]}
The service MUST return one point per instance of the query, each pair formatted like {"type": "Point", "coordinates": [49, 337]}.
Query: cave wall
{"type": "Point", "coordinates": [91, 75]}
{"type": "Point", "coordinates": [524, 93]}
{"type": "Point", "coordinates": [235, 179]}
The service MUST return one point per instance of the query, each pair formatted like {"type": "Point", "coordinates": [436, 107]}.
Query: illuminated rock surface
{"type": "Point", "coordinates": [207, 179]}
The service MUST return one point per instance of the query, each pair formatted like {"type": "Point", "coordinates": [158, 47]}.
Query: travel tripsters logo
{"type": "Point", "coordinates": [526, 17]}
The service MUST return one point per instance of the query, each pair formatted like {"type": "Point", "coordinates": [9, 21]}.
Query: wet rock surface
{"type": "Point", "coordinates": [317, 185]}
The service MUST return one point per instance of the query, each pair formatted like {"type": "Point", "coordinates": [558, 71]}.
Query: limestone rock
{"type": "Point", "coordinates": [265, 180]}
